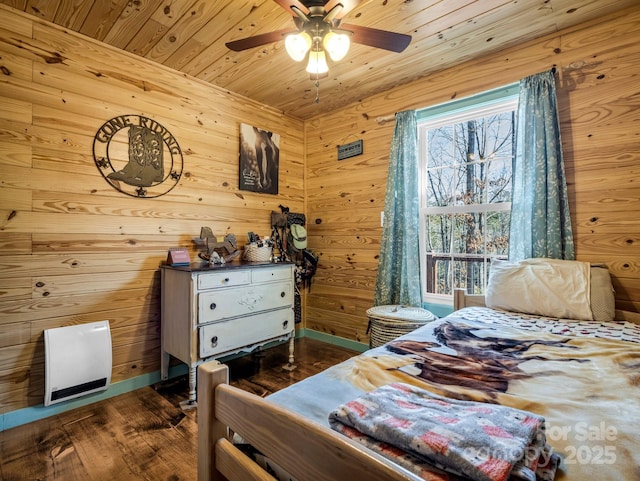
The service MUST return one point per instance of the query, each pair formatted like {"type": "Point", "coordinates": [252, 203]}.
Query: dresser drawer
{"type": "Point", "coordinates": [228, 278]}
{"type": "Point", "coordinates": [226, 336]}
{"type": "Point", "coordinates": [218, 304]}
{"type": "Point", "coordinates": [268, 274]}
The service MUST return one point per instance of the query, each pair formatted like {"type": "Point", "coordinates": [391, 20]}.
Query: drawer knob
{"type": "Point", "coordinates": [282, 294]}
{"type": "Point", "coordinates": [285, 324]}
{"type": "Point", "coordinates": [212, 306]}
{"type": "Point", "coordinates": [226, 279]}
{"type": "Point", "coordinates": [214, 341]}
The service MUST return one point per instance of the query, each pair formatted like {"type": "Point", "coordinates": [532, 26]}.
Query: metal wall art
{"type": "Point", "coordinates": [259, 160]}
{"type": "Point", "coordinates": [137, 156]}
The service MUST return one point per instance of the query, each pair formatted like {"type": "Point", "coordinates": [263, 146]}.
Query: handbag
{"type": "Point", "coordinates": [278, 219]}
{"type": "Point", "coordinates": [295, 218]}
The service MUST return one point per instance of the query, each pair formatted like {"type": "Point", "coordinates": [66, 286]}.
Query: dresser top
{"type": "Point", "coordinates": [205, 267]}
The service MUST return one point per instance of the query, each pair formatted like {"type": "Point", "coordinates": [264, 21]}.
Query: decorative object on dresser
{"type": "Point", "coordinates": [218, 252]}
{"type": "Point", "coordinates": [209, 312]}
{"type": "Point", "coordinates": [258, 252]}
{"type": "Point", "coordinates": [178, 256]}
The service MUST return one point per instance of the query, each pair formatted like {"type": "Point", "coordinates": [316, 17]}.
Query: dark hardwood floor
{"type": "Point", "coordinates": [144, 434]}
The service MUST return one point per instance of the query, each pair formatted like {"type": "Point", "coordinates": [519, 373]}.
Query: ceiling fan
{"type": "Point", "coordinates": [319, 29]}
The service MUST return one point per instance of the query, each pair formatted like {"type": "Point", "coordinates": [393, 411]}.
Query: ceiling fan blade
{"type": "Point", "coordinates": [347, 6]}
{"type": "Point", "coordinates": [257, 40]}
{"type": "Point", "coordinates": [396, 42]}
{"type": "Point", "coordinates": [287, 4]}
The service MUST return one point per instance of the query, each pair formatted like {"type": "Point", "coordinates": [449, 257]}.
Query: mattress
{"type": "Point", "coordinates": [581, 376]}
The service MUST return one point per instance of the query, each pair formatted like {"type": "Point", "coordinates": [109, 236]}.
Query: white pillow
{"type": "Point", "coordinates": [603, 297]}
{"type": "Point", "coordinates": [546, 287]}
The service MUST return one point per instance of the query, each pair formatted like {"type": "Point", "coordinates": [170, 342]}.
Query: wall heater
{"type": "Point", "coordinates": [77, 361]}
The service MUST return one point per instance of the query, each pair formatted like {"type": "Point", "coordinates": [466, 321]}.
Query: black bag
{"type": "Point", "coordinates": [295, 218]}
{"type": "Point", "coordinates": [306, 268]}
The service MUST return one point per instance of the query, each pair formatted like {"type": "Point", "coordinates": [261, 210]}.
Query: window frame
{"type": "Point", "coordinates": [474, 107]}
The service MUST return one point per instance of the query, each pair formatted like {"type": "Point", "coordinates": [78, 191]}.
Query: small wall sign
{"type": "Point", "coordinates": [350, 150]}
{"type": "Point", "coordinates": [178, 256]}
{"type": "Point", "coordinates": [137, 156]}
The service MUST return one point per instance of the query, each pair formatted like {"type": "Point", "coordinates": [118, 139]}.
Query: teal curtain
{"type": "Point", "coordinates": [398, 280]}
{"type": "Point", "coordinates": [540, 220]}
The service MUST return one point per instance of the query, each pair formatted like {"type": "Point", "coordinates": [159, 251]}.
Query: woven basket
{"type": "Point", "coordinates": [253, 253]}
{"type": "Point", "coordinates": [388, 322]}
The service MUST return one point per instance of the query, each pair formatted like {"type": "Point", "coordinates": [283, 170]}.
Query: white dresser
{"type": "Point", "coordinates": [214, 311]}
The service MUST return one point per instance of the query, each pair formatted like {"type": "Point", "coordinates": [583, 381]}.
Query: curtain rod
{"type": "Point", "coordinates": [386, 118]}
{"type": "Point", "coordinates": [391, 118]}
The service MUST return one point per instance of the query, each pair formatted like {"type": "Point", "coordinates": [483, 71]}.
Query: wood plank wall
{"type": "Point", "coordinates": [72, 248]}
{"type": "Point", "coordinates": [75, 250]}
{"type": "Point", "coordinates": [598, 65]}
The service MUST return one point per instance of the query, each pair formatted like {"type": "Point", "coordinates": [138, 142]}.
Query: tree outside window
{"type": "Point", "coordinates": [466, 172]}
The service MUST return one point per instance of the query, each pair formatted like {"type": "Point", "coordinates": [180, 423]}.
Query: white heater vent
{"type": "Point", "coordinates": [77, 361]}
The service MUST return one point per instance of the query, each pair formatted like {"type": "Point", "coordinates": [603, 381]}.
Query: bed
{"type": "Point", "coordinates": [581, 376]}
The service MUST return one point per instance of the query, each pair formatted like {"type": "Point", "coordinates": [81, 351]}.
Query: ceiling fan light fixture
{"type": "Point", "coordinates": [317, 62]}
{"type": "Point", "coordinates": [337, 45]}
{"type": "Point", "coordinates": [298, 45]}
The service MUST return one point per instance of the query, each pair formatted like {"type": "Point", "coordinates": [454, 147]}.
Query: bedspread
{"type": "Point", "coordinates": [586, 387]}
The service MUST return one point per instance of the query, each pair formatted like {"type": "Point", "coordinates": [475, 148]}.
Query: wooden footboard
{"type": "Point", "coordinates": [210, 375]}
{"type": "Point", "coordinates": [305, 449]}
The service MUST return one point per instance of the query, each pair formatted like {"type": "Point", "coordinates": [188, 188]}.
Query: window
{"type": "Point", "coordinates": [466, 156]}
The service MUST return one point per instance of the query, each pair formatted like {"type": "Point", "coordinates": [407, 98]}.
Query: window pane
{"type": "Point", "coordinates": [498, 180]}
{"type": "Point", "coordinates": [499, 134]}
{"type": "Point", "coordinates": [470, 275]}
{"type": "Point", "coordinates": [497, 234]}
{"type": "Point", "coordinates": [438, 229]}
{"type": "Point", "coordinates": [440, 142]}
{"type": "Point", "coordinates": [470, 184]}
{"type": "Point", "coordinates": [439, 187]}
{"type": "Point", "coordinates": [442, 276]}
{"type": "Point", "coordinates": [467, 162]}
{"type": "Point", "coordinates": [468, 233]}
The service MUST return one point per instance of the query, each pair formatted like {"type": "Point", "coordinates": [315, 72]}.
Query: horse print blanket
{"type": "Point", "coordinates": [581, 377]}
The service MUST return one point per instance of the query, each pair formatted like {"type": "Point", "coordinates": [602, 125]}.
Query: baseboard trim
{"type": "Point", "coordinates": [27, 415]}
{"type": "Point", "coordinates": [335, 340]}
{"type": "Point", "coordinates": [35, 413]}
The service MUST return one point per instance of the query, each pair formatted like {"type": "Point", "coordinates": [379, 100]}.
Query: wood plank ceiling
{"type": "Point", "coordinates": [190, 36]}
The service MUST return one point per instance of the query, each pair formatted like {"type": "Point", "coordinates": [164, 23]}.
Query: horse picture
{"type": "Point", "coordinates": [259, 160]}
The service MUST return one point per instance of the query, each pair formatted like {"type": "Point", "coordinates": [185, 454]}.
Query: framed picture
{"type": "Point", "coordinates": [259, 159]}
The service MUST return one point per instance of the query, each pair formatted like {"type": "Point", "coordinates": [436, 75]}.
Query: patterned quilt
{"type": "Point", "coordinates": [581, 377]}
{"type": "Point", "coordinates": [419, 430]}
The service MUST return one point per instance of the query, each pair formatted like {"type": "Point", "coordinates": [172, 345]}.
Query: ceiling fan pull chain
{"type": "Point", "coordinates": [317, 91]}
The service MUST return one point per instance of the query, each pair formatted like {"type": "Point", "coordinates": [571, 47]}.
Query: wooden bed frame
{"type": "Point", "coordinates": [306, 450]}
